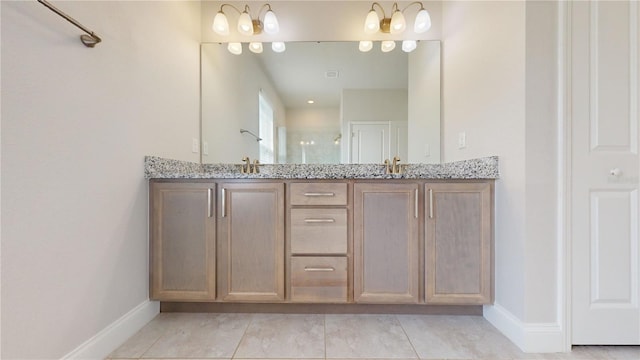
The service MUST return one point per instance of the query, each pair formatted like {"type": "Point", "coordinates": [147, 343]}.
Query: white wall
{"type": "Point", "coordinates": [76, 124]}
{"type": "Point", "coordinates": [484, 96]}
{"type": "Point", "coordinates": [230, 85]}
{"type": "Point", "coordinates": [317, 124]}
{"type": "Point", "coordinates": [500, 88]}
{"type": "Point", "coordinates": [424, 103]}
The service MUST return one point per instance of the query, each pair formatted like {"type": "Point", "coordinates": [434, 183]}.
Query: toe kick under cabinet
{"type": "Point", "coordinates": [386, 241]}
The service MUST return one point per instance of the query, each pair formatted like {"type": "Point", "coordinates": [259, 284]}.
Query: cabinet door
{"type": "Point", "coordinates": [251, 242]}
{"type": "Point", "coordinates": [386, 238]}
{"type": "Point", "coordinates": [458, 243]}
{"type": "Point", "coordinates": [182, 248]}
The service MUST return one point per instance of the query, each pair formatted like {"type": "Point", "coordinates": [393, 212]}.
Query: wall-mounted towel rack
{"type": "Point", "coordinates": [89, 40]}
{"type": "Point", "coordinates": [242, 131]}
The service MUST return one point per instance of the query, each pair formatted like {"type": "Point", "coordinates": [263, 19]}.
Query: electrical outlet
{"type": "Point", "coordinates": [194, 146]}
{"type": "Point", "coordinates": [427, 150]}
{"type": "Point", "coordinates": [205, 148]}
{"type": "Point", "coordinates": [462, 140]}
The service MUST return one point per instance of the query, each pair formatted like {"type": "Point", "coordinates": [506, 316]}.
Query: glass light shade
{"type": "Point", "coordinates": [220, 24]}
{"type": "Point", "coordinates": [409, 45]}
{"type": "Point", "coordinates": [235, 48]}
{"type": "Point", "coordinates": [245, 25]}
{"type": "Point", "coordinates": [387, 45]}
{"type": "Point", "coordinates": [271, 25]}
{"type": "Point", "coordinates": [255, 47]}
{"type": "Point", "coordinates": [365, 45]}
{"type": "Point", "coordinates": [398, 24]}
{"type": "Point", "coordinates": [372, 23]}
{"type": "Point", "coordinates": [423, 22]}
{"type": "Point", "coordinates": [278, 46]}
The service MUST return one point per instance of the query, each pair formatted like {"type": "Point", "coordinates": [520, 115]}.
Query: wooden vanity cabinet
{"type": "Point", "coordinates": [251, 241]}
{"type": "Point", "coordinates": [458, 248]}
{"type": "Point", "coordinates": [386, 242]}
{"type": "Point", "coordinates": [182, 246]}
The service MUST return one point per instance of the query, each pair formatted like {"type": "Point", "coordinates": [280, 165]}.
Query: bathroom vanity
{"type": "Point", "coordinates": [339, 234]}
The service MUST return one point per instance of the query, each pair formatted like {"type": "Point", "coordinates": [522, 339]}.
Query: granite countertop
{"type": "Point", "coordinates": [481, 168]}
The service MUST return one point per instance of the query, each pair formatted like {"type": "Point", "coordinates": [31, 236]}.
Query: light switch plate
{"type": "Point", "coordinates": [194, 145]}
{"type": "Point", "coordinates": [462, 140]}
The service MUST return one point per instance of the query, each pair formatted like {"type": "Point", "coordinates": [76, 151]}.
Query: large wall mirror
{"type": "Point", "coordinates": [320, 102]}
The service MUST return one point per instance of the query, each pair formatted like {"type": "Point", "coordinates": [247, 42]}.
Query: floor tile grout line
{"type": "Point", "coordinates": [407, 335]}
{"type": "Point", "coordinates": [163, 333]}
{"type": "Point", "coordinates": [244, 333]}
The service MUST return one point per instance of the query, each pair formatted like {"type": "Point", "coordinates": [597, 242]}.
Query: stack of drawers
{"type": "Point", "coordinates": [319, 241]}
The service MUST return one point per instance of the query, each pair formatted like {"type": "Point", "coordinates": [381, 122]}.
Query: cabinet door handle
{"type": "Point", "coordinates": [209, 202]}
{"type": "Point", "coordinates": [416, 204]}
{"type": "Point", "coordinates": [223, 201]}
{"type": "Point", "coordinates": [319, 269]}
{"type": "Point", "coordinates": [315, 194]}
{"type": "Point", "coordinates": [430, 203]}
{"type": "Point", "coordinates": [314, 221]}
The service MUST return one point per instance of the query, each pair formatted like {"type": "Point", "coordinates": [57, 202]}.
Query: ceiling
{"type": "Point", "coordinates": [299, 74]}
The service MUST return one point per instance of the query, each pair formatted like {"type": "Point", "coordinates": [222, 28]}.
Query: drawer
{"type": "Point", "coordinates": [318, 231]}
{"type": "Point", "coordinates": [318, 193]}
{"type": "Point", "coordinates": [318, 279]}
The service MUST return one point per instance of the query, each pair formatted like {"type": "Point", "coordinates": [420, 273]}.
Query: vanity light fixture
{"type": "Point", "coordinates": [256, 47]}
{"type": "Point", "coordinates": [365, 45]}
{"type": "Point", "coordinates": [395, 24]}
{"type": "Point", "coordinates": [235, 48]}
{"type": "Point", "coordinates": [387, 45]}
{"type": "Point", "coordinates": [246, 24]}
{"type": "Point", "coordinates": [409, 45]}
{"type": "Point", "coordinates": [278, 46]}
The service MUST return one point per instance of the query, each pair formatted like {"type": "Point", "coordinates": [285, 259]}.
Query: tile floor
{"type": "Point", "coordinates": [304, 336]}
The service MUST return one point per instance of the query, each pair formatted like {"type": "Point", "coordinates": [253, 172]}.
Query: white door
{"type": "Point", "coordinates": [369, 142]}
{"type": "Point", "coordinates": [604, 206]}
{"type": "Point", "coordinates": [398, 137]}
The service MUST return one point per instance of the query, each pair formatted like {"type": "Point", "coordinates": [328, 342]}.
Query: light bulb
{"type": "Point", "coordinates": [271, 25]}
{"type": "Point", "coordinates": [365, 45]}
{"type": "Point", "coordinates": [398, 24]}
{"type": "Point", "coordinates": [372, 23]}
{"type": "Point", "coordinates": [235, 48]}
{"type": "Point", "coordinates": [423, 22]}
{"type": "Point", "coordinates": [220, 24]}
{"type": "Point", "coordinates": [245, 25]}
{"type": "Point", "coordinates": [278, 46]}
{"type": "Point", "coordinates": [255, 47]}
{"type": "Point", "coordinates": [387, 45]}
{"type": "Point", "coordinates": [409, 45]}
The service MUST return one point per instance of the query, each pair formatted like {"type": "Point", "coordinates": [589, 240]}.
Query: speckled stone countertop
{"type": "Point", "coordinates": [481, 168]}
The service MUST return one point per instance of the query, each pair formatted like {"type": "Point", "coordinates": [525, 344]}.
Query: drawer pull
{"type": "Point", "coordinates": [319, 269]}
{"type": "Point", "coordinates": [209, 195]}
{"type": "Point", "coordinates": [316, 194]}
{"type": "Point", "coordinates": [316, 221]}
{"type": "Point", "coordinates": [430, 203]}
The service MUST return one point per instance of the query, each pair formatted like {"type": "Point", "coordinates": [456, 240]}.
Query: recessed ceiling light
{"type": "Point", "coordinates": [310, 101]}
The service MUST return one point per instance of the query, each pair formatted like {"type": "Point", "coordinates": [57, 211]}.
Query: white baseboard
{"type": "Point", "coordinates": [109, 338]}
{"type": "Point", "coordinates": [529, 337]}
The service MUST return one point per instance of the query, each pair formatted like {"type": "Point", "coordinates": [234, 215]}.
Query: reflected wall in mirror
{"type": "Point", "coordinates": [366, 107]}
